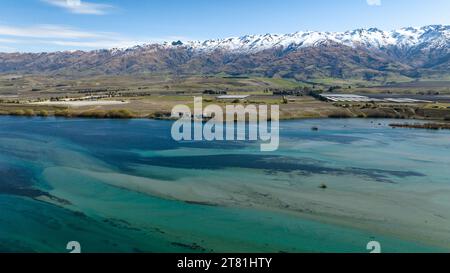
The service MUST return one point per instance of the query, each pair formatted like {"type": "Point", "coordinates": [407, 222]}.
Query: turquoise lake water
{"type": "Point", "coordinates": [126, 186]}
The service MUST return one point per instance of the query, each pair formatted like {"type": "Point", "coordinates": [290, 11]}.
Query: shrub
{"type": "Point", "coordinates": [120, 114]}
{"type": "Point", "coordinates": [17, 113]}
{"type": "Point", "coordinates": [93, 114]}
{"type": "Point", "coordinates": [160, 115]}
{"type": "Point", "coordinates": [43, 113]}
{"type": "Point", "coordinates": [63, 113]}
{"type": "Point", "coordinates": [376, 113]}
{"type": "Point", "coordinates": [340, 114]}
{"type": "Point", "coordinates": [28, 113]}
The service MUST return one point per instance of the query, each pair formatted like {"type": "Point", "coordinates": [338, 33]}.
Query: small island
{"type": "Point", "coordinates": [428, 126]}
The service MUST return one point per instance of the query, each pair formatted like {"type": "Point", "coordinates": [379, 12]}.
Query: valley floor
{"type": "Point", "coordinates": [154, 96]}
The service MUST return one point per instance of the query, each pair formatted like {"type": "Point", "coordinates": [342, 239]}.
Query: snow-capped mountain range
{"type": "Point", "coordinates": [364, 54]}
{"type": "Point", "coordinates": [432, 36]}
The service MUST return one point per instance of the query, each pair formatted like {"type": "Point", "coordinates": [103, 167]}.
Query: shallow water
{"type": "Point", "coordinates": [126, 186]}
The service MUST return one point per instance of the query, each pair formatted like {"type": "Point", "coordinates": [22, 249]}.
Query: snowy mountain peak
{"type": "Point", "coordinates": [433, 35]}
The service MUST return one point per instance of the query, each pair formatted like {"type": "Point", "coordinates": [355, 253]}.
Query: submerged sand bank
{"type": "Point", "coordinates": [416, 213]}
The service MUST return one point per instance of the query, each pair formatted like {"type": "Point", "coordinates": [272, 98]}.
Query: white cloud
{"type": "Point", "coordinates": [48, 31]}
{"type": "Point", "coordinates": [374, 2]}
{"type": "Point", "coordinates": [7, 49]}
{"type": "Point", "coordinates": [8, 41]}
{"type": "Point", "coordinates": [80, 6]}
{"type": "Point", "coordinates": [96, 44]}
{"type": "Point", "coordinates": [57, 37]}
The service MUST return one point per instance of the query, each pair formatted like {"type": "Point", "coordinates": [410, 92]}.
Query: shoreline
{"type": "Point", "coordinates": [126, 115]}
{"type": "Point", "coordinates": [427, 126]}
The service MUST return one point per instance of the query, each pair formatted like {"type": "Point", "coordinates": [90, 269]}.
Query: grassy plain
{"type": "Point", "coordinates": [153, 96]}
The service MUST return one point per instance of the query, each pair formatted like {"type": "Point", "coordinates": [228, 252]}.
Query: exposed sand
{"type": "Point", "coordinates": [81, 103]}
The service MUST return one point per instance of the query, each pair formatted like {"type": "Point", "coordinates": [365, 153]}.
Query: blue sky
{"type": "Point", "coordinates": [50, 25]}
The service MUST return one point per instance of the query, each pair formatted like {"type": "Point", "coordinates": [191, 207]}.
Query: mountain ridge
{"type": "Point", "coordinates": [362, 54]}
{"type": "Point", "coordinates": [372, 37]}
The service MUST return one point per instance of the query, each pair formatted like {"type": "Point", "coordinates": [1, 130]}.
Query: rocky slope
{"type": "Point", "coordinates": [363, 54]}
